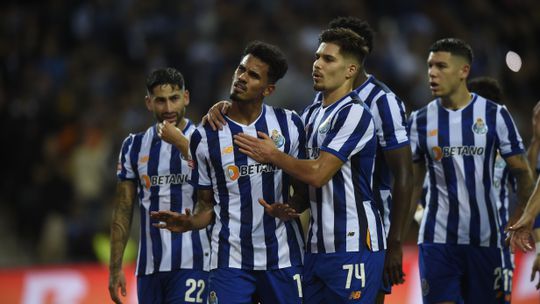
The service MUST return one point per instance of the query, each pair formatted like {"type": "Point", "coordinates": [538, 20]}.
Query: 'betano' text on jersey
{"type": "Point", "coordinates": [391, 129]}
{"type": "Point", "coordinates": [344, 215]}
{"type": "Point", "coordinates": [243, 235]}
{"type": "Point", "coordinates": [459, 148]}
{"type": "Point", "coordinates": [162, 178]}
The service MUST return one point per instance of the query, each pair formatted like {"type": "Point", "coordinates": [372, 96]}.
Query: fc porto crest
{"type": "Point", "coordinates": [278, 139]}
{"type": "Point", "coordinates": [324, 126]}
{"type": "Point", "coordinates": [479, 127]}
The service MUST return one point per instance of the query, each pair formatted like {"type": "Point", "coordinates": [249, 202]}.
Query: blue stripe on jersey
{"type": "Point", "coordinates": [491, 122]}
{"type": "Point", "coordinates": [340, 209]}
{"type": "Point", "coordinates": [433, 205]}
{"type": "Point", "coordinates": [537, 222]}
{"type": "Point", "coordinates": [470, 180]}
{"type": "Point", "coordinates": [359, 200]}
{"type": "Point", "coordinates": [176, 205]}
{"type": "Point", "coordinates": [194, 142]}
{"type": "Point", "coordinates": [512, 135]}
{"type": "Point", "coordinates": [214, 149]}
{"type": "Point", "coordinates": [246, 203]}
{"type": "Point", "coordinates": [125, 148]}
{"type": "Point", "coordinates": [153, 164]}
{"type": "Point", "coordinates": [269, 222]}
{"type": "Point", "coordinates": [450, 177]}
{"type": "Point", "coordinates": [295, 251]}
{"type": "Point", "coordinates": [387, 121]}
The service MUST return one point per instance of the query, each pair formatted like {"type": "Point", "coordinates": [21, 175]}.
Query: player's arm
{"type": "Point", "coordinates": [399, 160]}
{"type": "Point", "coordinates": [536, 263]}
{"type": "Point", "coordinates": [215, 116]}
{"type": "Point", "coordinates": [120, 228]}
{"type": "Point", "coordinates": [314, 172]}
{"type": "Point", "coordinates": [519, 168]}
{"type": "Point", "coordinates": [419, 174]}
{"type": "Point", "coordinates": [171, 134]}
{"type": "Point", "coordinates": [534, 148]}
{"type": "Point", "coordinates": [182, 222]}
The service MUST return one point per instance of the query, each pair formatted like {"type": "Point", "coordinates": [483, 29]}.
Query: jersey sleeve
{"type": "Point", "coordinates": [124, 169]}
{"type": "Point", "coordinates": [390, 122]}
{"type": "Point", "coordinates": [350, 130]}
{"type": "Point", "coordinates": [508, 138]}
{"type": "Point", "coordinates": [297, 132]}
{"type": "Point", "coordinates": [200, 176]}
{"type": "Point", "coordinates": [414, 138]}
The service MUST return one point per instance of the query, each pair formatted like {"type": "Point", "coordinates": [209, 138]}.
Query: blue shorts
{"type": "Point", "coordinates": [350, 277]}
{"type": "Point", "coordinates": [458, 273]}
{"type": "Point", "coordinates": [238, 286]}
{"type": "Point", "coordinates": [177, 286]}
{"type": "Point", "coordinates": [504, 275]}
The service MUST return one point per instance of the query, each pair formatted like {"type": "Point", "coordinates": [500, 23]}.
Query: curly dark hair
{"type": "Point", "coordinates": [271, 55]}
{"type": "Point", "coordinates": [357, 25]}
{"type": "Point", "coordinates": [164, 76]}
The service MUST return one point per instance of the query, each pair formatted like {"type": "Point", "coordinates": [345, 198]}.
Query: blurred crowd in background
{"type": "Point", "coordinates": [72, 86]}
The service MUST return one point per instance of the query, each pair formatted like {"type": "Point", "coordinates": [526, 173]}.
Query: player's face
{"type": "Point", "coordinates": [250, 80]}
{"type": "Point", "coordinates": [330, 69]}
{"type": "Point", "coordinates": [168, 102]}
{"type": "Point", "coordinates": [446, 72]}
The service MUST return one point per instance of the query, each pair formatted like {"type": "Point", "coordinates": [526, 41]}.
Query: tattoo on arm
{"type": "Point", "coordinates": [519, 168]}
{"type": "Point", "coordinates": [121, 222]}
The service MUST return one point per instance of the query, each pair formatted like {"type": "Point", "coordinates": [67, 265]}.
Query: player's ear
{"type": "Point", "coordinates": [148, 102]}
{"type": "Point", "coordinates": [269, 90]}
{"type": "Point", "coordinates": [352, 70]}
{"type": "Point", "coordinates": [464, 71]}
{"type": "Point", "coordinates": [186, 97]}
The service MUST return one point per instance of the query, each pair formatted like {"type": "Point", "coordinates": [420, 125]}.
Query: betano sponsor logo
{"type": "Point", "coordinates": [234, 172]}
{"type": "Point", "coordinates": [161, 180]}
{"type": "Point", "coordinates": [439, 152]}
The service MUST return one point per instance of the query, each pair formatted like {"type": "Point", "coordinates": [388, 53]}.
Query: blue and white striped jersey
{"type": "Point", "coordinates": [459, 149]}
{"type": "Point", "coordinates": [505, 185]}
{"type": "Point", "coordinates": [391, 129]}
{"type": "Point", "coordinates": [162, 178]}
{"type": "Point", "coordinates": [344, 215]}
{"type": "Point", "coordinates": [244, 236]}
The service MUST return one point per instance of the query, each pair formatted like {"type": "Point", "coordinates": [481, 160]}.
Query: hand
{"type": "Point", "coordinates": [169, 133]}
{"type": "Point", "coordinates": [536, 121]}
{"type": "Point", "coordinates": [259, 149]}
{"type": "Point", "coordinates": [535, 269]}
{"type": "Point", "coordinates": [117, 280]}
{"type": "Point", "coordinates": [215, 117]}
{"type": "Point", "coordinates": [520, 233]}
{"type": "Point", "coordinates": [393, 268]}
{"type": "Point", "coordinates": [173, 221]}
{"type": "Point", "coordinates": [283, 212]}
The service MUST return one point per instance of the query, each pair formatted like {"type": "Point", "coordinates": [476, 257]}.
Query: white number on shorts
{"type": "Point", "coordinates": [193, 284]}
{"type": "Point", "coordinates": [359, 273]}
{"type": "Point", "coordinates": [506, 276]}
{"type": "Point", "coordinates": [298, 280]}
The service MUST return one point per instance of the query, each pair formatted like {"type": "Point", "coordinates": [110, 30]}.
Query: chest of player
{"type": "Point", "coordinates": [163, 165]}
{"type": "Point", "coordinates": [455, 134]}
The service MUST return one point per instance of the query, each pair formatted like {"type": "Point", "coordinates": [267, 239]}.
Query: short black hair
{"type": "Point", "coordinates": [357, 25]}
{"type": "Point", "coordinates": [486, 87]}
{"type": "Point", "coordinates": [349, 42]}
{"type": "Point", "coordinates": [454, 46]}
{"type": "Point", "coordinates": [164, 76]}
{"type": "Point", "coordinates": [271, 55]}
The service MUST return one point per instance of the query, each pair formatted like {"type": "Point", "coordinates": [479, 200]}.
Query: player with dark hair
{"type": "Point", "coordinates": [393, 164]}
{"type": "Point", "coordinates": [346, 241]}
{"type": "Point", "coordinates": [455, 139]}
{"type": "Point", "coordinates": [255, 257]}
{"type": "Point", "coordinates": [171, 267]}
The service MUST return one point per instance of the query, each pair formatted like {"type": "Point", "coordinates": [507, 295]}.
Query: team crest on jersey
{"type": "Point", "coordinates": [325, 126]}
{"type": "Point", "coordinates": [278, 139]}
{"type": "Point", "coordinates": [212, 298]}
{"type": "Point", "coordinates": [479, 127]}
